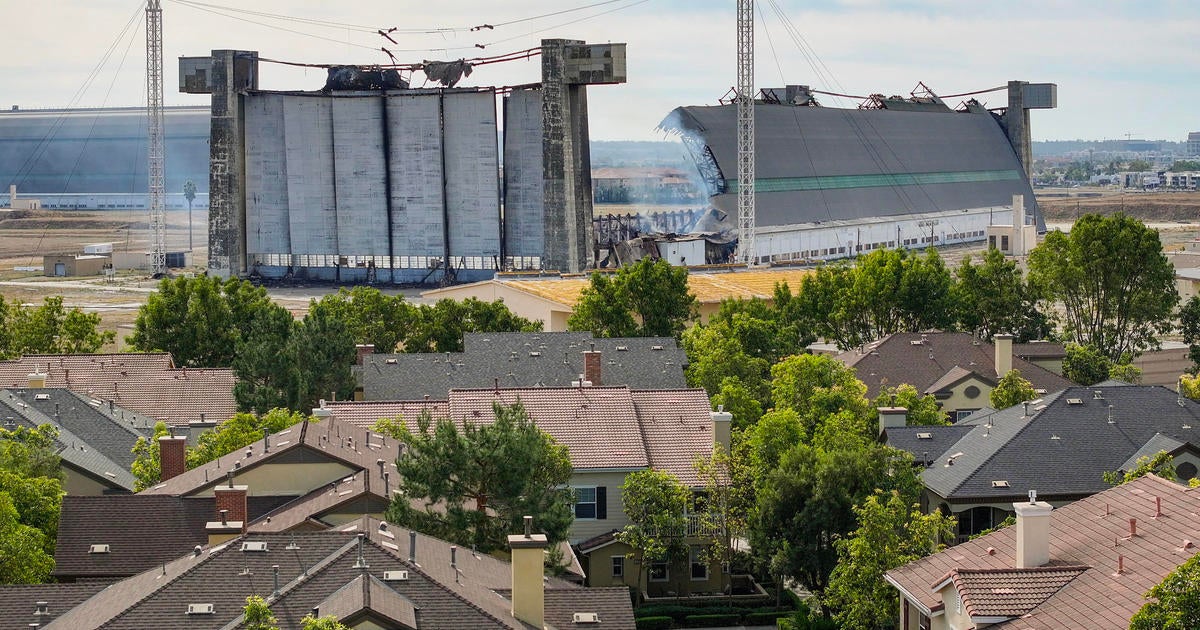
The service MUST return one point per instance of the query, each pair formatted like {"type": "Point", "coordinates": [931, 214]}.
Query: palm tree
{"type": "Point", "coordinates": [189, 193]}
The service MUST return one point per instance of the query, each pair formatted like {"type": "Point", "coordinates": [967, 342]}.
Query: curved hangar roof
{"type": "Point", "coordinates": [821, 163]}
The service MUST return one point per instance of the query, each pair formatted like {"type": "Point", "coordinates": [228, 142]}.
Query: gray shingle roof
{"type": "Point", "coordinates": [1065, 445]}
{"type": "Point", "coordinates": [895, 359]}
{"type": "Point", "coordinates": [524, 360]}
{"type": "Point", "coordinates": [926, 449]}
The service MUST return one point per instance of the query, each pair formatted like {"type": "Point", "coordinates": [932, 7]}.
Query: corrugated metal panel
{"type": "Point", "coordinates": [472, 175]}
{"type": "Point", "coordinates": [308, 126]}
{"type": "Point", "coordinates": [524, 222]}
{"type": "Point", "coordinates": [415, 145]}
{"type": "Point", "coordinates": [267, 229]}
{"type": "Point", "coordinates": [903, 162]}
{"type": "Point", "coordinates": [360, 176]}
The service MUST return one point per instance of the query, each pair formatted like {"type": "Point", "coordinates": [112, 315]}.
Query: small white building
{"type": "Point", "coordinates": [1015, 238]}
{"type": "Point", "coordinates": [21, 204]}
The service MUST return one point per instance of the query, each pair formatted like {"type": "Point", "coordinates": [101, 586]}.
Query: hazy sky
{"type": "Point", "coordinates": [1121, 67]}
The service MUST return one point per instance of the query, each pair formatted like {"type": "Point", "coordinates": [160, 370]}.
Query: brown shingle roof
{"type": "Point", "coordinates": [1082, 534]}
{"type": "Point", "coordinates": [148, 384]}
{"type": "Point", "coordinates": [19, 603]}
{"type": "Point", "coordinates": [896, 359]}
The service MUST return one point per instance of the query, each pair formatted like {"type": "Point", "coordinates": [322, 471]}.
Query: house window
{"type": "Point", "coordinates": [659, 572]}
{"type": "Point", "coordinates": [923, 624]}
{"type": "Point", "coordinates": [699, 566]}
{"type": "Point", "coordinates": [962, 414]}
{"type": "Point", "coordinates": [585, 503]}
{"type": "Point", "coordinates": [618, 566]}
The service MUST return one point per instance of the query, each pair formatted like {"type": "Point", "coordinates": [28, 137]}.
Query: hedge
{"type": "Point", "coordinates": [653, 623]}
{"type": "Point", "coordinates": [709, 621]}
{"type": "Point", "coordinates": [767, 618]}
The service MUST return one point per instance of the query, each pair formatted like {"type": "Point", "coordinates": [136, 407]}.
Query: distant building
{"type": "Point", "coordinates": [1193, 144]}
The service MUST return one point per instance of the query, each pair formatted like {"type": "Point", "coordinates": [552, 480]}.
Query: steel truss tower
{"type": "Point", "coordinates": [745, 131]}
{"type": "Point", "coordinates": [155, 151]}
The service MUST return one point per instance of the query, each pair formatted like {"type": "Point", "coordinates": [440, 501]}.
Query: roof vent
{"type": "Point", "coordinates": [390, 361]}
{"type": "Point", "coordinates": [1074, 401]}
{"type": "Point", "coordinates": [915, 342]}
{"type": "Point", "coordinates": [1001, 483]}
{"type": "Point", "coordinates": [98, 549]}
{"type": "Point", "coordinates": [43, 608]}
{"type": "Point", "coordinates": [656, 347]}
{"type": "Point", "coordinates": [924, 436]}
{"type": "Point", "coordinates": [534, 353]}
{"type": "Point", "coordinates": [622, 348]}
{"type": "Point", "coordinates": [41, 396]}
{"type": "Point", "coordinates": [254, 545]}
{"type": "Point", "coordinates": [200, 609]}
{"type": "Point", "coordinates": [1097, 395]}
{"type": "Point", "coordinates": [588, 617]}
{"type": "Point", "coordinates": [395, 576]}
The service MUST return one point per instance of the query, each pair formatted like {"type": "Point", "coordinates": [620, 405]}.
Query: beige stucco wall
{"type": "Point", "coordinates": [552, 314]}
{"type": "Point", "coordinates": [599, 573]}
{"type": "Point", "coordinates": [287, 478]}
{"type": "Point", "coordinates": [958, 398]}
{"type": "Point", "coordinates": [1052, 365]}
{"type": "Point", "coordinates": [78, 484]}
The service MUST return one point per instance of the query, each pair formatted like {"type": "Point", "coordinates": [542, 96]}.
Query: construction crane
{"type": "Point", "coordinates": [745, 131]}
{"type": "Point", "coordinates": [154, 148]}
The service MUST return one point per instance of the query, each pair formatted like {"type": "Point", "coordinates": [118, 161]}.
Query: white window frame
{"type": "Point", "coordinates": [617, 566]}
{"type": "Point", "coordinates": [594, 503]}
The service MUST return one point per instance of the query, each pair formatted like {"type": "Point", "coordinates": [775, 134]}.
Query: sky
{"type": "Point", "coordinates": [1123, 68]}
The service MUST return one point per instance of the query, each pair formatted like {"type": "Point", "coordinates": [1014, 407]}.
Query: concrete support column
{"type": "Point", "coordinates": [232, 73]}
{"type": "Point", "coordinates": [566, 162]}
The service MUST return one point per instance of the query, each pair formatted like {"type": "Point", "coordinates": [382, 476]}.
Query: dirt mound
{"type": "Point", "coordinates": [1144, 206]}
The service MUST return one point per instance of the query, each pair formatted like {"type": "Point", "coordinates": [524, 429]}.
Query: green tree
{"type": "Point", "coordinates": [649, 298]}
{"type": "Point", "coordinates": [1085, 364]}
{"type": "Point", "coordinates": [1181, 166]}
{"type": "Point", "coordinates": [1190, 386]}
{"type": "Point", "coordinates": [262, 364]}
{"type": "Point", "coordinates": [715, 355]}
{"type": "Point", "coordinates": [239, 431]}
{"type": "Point", "coordinates": [198, 320]}
{"type": "Point", "coordinates": [147, 463]}
{"type": "Point", "coordinates": [256, 615]}
{"type": "Point", "coordinates": [807, 503]}
{"type": "Point", "coordinates": [294, 364]}
{"type": "Point", "coordinates": [38, 501]}
{"type": "Point", "coordinates": [1125, 372]}
{"type": "Point", "coordinates": [372, 316]}
{"type": "Point", "coordinates": [31, 452]}
{"type": "Point", "coordinates": [1115, 287]}
{"type": "Point", "coordinates": [886, 291]}
{"type": "Point", "coordinates": [1177, 601]}
{"type": "Point", "coordinates": [723, 510]}
{"type": "Point", "coordinates": [817, 387]}
{"type": "Point", "coordinates": [478, 482]}
{"type": "Point", "coordinates": [1161, 464]}
{"type": "Point", "coordinates": [656, 505]}
{"type": "Point", "coordinates": [738, 400]}
{"type": "Point", "coordinates": [890, 534]}
{"type": "Point", "coordinates": [23, 555]}
{"type": "Point", "coordinates": [1189, 327]}
{"type": "Point", "coordinates": [1138, 165]}
{"type": "Point", "coordinates": [49, 329]}
{"type": "Point", "coordinates": [1013, 389]}
{"type": "Point", "coordinates": [440, 328]}
{"type": "Point", "coordinates": [328, 622]}
{"type": "Point", "coordinates": [922, 410]}
{"type": "Point", "coordinates": [992, 298]}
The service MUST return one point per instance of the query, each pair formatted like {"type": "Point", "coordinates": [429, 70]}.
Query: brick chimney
{"type": "Point", "coordinates": [591, 366]}
{"type": "Point", "coordinates": [1033, 532]}
{"type": "Point", "coordinates": [232, 500]}
{"type": "Point", "coordinates": [528, 590]}
{"type": "Point", "coordinates": [722, 427]}
{"type": "Point", "coordinates": [1004, 354]}
{"type": "Point", "coordinates": [363, 349]}
{"type": "Point", "coordinates": [172, 456]}
{"type": "Point", "coordinates": [892, 417]}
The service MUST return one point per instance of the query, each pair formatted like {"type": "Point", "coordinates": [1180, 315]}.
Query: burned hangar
{"type": "Point", "coordinates": [378, 182]}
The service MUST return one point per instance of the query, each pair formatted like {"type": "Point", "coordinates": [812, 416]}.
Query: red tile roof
{"type": "Point", "coordinates": [678, 428]}
{"type": "Point", "coordinates": [148, 384]}
{"type": "Point", "coordinates": [1091, 533]}
{"type": "Point", "coordinates": [1008, 592]}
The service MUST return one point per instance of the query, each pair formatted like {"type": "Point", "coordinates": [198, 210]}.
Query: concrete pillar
{"type": "Point", "coordinates": [566, 162]}
{"type": "Point", "coordinates": [232, 73]}
{"type": "Point", "coordinates": [1016, 123]}
{"type": "Point", "coordinates": [1004, 354]}
{"type": "Point", "coordinates": [1033, 533]}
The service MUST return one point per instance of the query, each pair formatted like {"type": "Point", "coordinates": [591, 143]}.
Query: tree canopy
{"type": "Point", "coordinates": [1013, 389]}
{"type": "Point", "coordinates": [993, 297]}
{"type": "Point", "coordinates": [1176, 604]}
{"type": "Point", "coordinates": [656, 505]}
{"type": "Point", "coordinates": [475, 484]}
{"type": "Point", "coordinates": [30, 498]}
{"type": "Point", "coordinates": [649, 298]}
{"type": "Point", "coordinates": [198, 320]}
{"type": "Point", "coordinates": [1115, 287]}
{"type": "Point", "coordinates": [49, 329]}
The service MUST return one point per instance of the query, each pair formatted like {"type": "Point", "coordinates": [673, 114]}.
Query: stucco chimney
{"type": "Point", "coordinates": [1004, 354]}
{"type": "Point", "coordinates": [1033, 532]}
{"type": "Point", "coordinates": [528, 590]}
{"type": "Point", "coordinates": [891, 418]}
{"type": "Point", "coordinates": [722, 427]}
{"type": "Point", "coordinates": [37, 380]}
{"type": "Point", "coordinates": [172, 456]}
{"type": "Point", "coordinates": [591, 366]}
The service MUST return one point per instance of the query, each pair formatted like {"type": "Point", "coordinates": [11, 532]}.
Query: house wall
{"type": "Point", "coordinates": [1052, 365]}
{"type": "Point", "coordinates": [960, 400]}
{"type": "Point", "coordinates": [291, 478]}
{"type": "Point", "coordinates": [598, 566]}
{"type": "Point", "coordinates": [77, 484]}
{"type": "Point", "coordinates": [583, 529]}
{"type": "Point", "coordinates": [955, 617]}
{"type": "Point", "coordinates": [552, 314]}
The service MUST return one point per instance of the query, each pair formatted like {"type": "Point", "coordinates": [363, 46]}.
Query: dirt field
{"type": "Point", "coordinates": [27, 236]}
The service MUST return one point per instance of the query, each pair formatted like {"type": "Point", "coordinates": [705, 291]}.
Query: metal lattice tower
{"type": "Point", "coordinates": [745, 131]}
{"type": "Point", "coordinates": [155, 151]}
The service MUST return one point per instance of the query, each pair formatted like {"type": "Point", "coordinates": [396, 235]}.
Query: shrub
{"type": "Point", "coordinates": [710, 621]}
{"type": "Point", "coordinates": [653, 623]}
{"type": "Point", "coordinates": [766, 618]}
